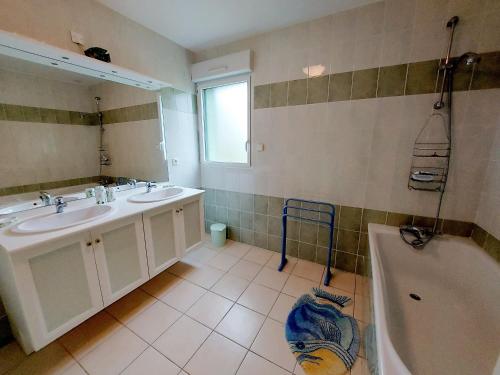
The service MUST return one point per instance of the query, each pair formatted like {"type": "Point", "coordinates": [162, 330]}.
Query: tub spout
{"type": "Point", "coordinates": [415, 236]}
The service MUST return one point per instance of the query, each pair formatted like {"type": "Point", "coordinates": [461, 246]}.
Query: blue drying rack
{"type": "Point", "coordinates": [296, 204]}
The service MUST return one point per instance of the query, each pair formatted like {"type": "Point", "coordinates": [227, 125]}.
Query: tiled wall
{"type": "Point", "coordinates": [180, 121]}
{"type": "Point", "coordinates": [487, 241]}
{"type": "Point", "coordinates": [256, 219]}
{"type": "Point", "coordinates": [396, 80]}
{"type": "Point", "coordinates": [138, 112]}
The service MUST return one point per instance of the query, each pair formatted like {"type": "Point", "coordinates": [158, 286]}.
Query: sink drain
{"type": "Point", "coordinates": [416, 297]}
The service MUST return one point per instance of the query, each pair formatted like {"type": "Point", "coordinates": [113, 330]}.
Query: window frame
{"type": "Point", "coordinates": [200, 87]}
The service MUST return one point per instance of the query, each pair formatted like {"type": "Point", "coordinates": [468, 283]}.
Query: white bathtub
{"type": "Point", "coordinates": [455, 327]}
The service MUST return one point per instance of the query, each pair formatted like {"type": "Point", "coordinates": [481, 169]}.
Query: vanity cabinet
{"type": "Point", "coordinates": [170, 232]}
{"type": "Point", "coordinates": [59, 288]}
{"type": "Point", "coordinates": [120, 255]}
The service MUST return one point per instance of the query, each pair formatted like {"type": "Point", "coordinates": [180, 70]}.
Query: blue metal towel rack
{"type": "Point", "coordinates": [296, 204]}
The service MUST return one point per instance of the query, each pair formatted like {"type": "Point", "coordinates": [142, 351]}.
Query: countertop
{"type": "Point", "coordinates": [15, 242]}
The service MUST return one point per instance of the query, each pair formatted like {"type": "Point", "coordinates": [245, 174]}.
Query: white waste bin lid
{"type": "Point", "coordinates": [218, 227]}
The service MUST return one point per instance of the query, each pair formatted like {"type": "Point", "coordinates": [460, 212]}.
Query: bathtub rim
{"type": "Point", "coordinates": [389, 362]}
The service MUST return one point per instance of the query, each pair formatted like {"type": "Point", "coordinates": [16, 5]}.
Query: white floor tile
{"type": "Point", "coordinates": [241, 325]}
{"type": "Point", "coordinates": [115, 354]}
{"type": "Point", "coordinates": [153, 321]}
{"type": "Point", "coordinates": [296, 286]}
{"type": "Point", "coordinates": [300, 371]}
{"type": "Point", "coordinates": [75, 369]}
{"type": "Point", "coordinates": [52, 359]}
{"type": "Point", "coordinates": [202, 254]}
{"type": "Point", "coordinates": [271, 278]}
{"type": "Point", "coordinates": [271, 344]}
{"type": "Point", "coordinates": [230, 286]}
{"type": "Point", "coordinates": [88, 335]}
{"type": "Point", "coordinates": [182, 340]}
{"type": "Point", "coordinates": [246, 269]}
{"type": "Point", "coordinates": [362, 285]}
{"type": "Point", "coordinates": [237, 249]}
{"type": "Point", "coordinates": [258, 255]}
{"type": "Point", "coordinates": [183, 296]}
{"type": "Point", "coordinates": [217, 356]}
{"type": "Point", "coordinates": [161, 284]}
{"type": "Point", "coordinates": [223, 261]}
{"type": "Point", "coordinates": [275, 261]}
{"type": "Point", "coordinates": [282, 307]}
{"type": "Point", "coordinates": [204, 276]}
{"type": "Point", "coordinates": [210, 309]}
{"type": "Point", "coordinates": [253, 364]}
{"type": "Point", "coordinates": [309, 270]}
{"type": "Point", "coordinates": [362, 309]}
{"type": "Point", "coordinates": [258, 298]}
{"type": "Point", "coordinates": [126, 308]}
{"type": "Point", "coordinates": [151, 363]}
{"type": "Point", "coordinates": [343, 280]}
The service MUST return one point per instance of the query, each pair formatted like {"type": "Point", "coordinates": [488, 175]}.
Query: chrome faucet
{"type": "Point", "coordinates": [46, 198]}
{"type": "Point", "coordinates": [60, 204]}
{"type": "Point", "coordinates": [149, 186]}
{"type": "Point", "coordinates": [132, 182]}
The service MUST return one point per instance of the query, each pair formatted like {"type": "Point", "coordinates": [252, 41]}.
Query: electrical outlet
{"type": "Point", "coordinates": [77, 38]}
{"type": "Point", "coordinates": [175, 162]}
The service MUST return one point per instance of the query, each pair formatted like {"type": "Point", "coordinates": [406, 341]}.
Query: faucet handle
{"type": "Point", "coordinates": [60, 201]}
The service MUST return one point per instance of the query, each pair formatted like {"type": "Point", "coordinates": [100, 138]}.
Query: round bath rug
{"type": "Point", "coordinates": [322, 338]}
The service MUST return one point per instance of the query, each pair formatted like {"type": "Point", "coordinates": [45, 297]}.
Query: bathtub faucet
{"type": "Point", "coordinates": [421, 236]}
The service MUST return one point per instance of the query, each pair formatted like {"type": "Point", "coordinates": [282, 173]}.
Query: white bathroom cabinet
{"type": "Point", "coordinates": [51, 287]}
{"type": "Point", "coordinates": [172, 231]}
{"type": "Point", "coordinates": [120, 255]}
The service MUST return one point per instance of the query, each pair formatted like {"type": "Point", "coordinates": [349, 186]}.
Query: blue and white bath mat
{"type": "Point", "coordinates": [322, 338]}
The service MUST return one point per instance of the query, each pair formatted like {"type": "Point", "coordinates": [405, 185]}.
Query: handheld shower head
{"type": "Point", "coordinates": [452, 21]}
{"type": "Point", "coordinates": [470, 58]}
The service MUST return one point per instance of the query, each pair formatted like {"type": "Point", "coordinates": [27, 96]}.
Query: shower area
{"type": "Point", "coordinates": [433, 147]}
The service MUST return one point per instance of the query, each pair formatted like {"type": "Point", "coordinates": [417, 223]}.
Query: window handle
{"type": "Point", "coordinates": [247, 145]}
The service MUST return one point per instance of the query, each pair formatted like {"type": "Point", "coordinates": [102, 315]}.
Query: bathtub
{"type": "Point", "coordinates": [455, 326]}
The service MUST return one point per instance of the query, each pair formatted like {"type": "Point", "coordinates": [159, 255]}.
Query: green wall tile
{"type": "Point", "coordinates": [308, 233]}
{"type": "Point", "coordinates": [364, 84]}
{"type": "Point", "coordinates": [233, 233]}
{"type": "Point", "coordinates": [3, 116]}
{"type": "Point", "coordinates": [274, 226]}
{"type": "Point", "coordinates": [233, 217]}
{"type": "Point", "coordinates": [221, 198]}
{"type": "Point", "coordinates": [262, 96]}
{"type": "Point", "coordinates": [317, 89]}
{"type": "Point", "coordinates": [260, 223]}
{"type": "Point", "coordinates": [492, 247]}
{"type": "Point", "coordinates": [350, 218]}
{"type": "Point", "coordinates": [297, 92]}
{"type": "Point", "coordinates": [246, 219]}
{"type": "Point", "coordinates": [14, 112]}
{"type": "Point", "coordinates": [479, 235]}
{"type": "Point", "coordinates": [246, 202]}
{"type": "Point", "coordinates": [278, 94]}
{"type": "Point", "coordinates": [275, 206]}
{"type": "Point", "coordinates": [324, 236]}
{"type": "Point", "coordinates": [391, 81]}
{"type": "Point", "coordinates": [422, 77]}
{"type": "Point", "coordinates": [292, 229]}
{"type": "Point", "coordinates": [221, 215]}
{"type": "Point", "coordinates": [209, 196]}
{"type": "Point", "coordinates": [274, 243]}
{"type": "Point", "coordinates": [348, 241]}
{"type": "Point", "coordinates": [372, 216]}
{"type": "Point", "coordinates": [313, 215]}
{"type": "Point", "coordinates": [307, 251]}
{"type": "Point", "coordinates": [261, 204]}
{"type": "Point", "coordinates": [292, 248]}
{"type": "Point", "coordinates": [233, 200]}
{"type": "Point", "coordinates": [260, 240]}
{"type": "Point", "coordinates": [340, 87]}
{"type": "Point", "coordinates": [32, 114]}
{"type": "Point", "coordinates": [487, 72]}
{"type": "Point", "coordinates": [63, 117]}
{"type": "Point", "coordinates": [397, 219]}
{"type": "Point", "coordinates": [457, 228]}
{"type": "Point", "coordinates": [48, 115]}
{"type": "Point", "coordinates": [246, 236]}
{"type": "Point", "coordinates": [345, 261]}
{"type": "Point", "coordinates": [462, 77]}
{"type": "Point", "coordinates": [211, 212]}
{"type": "Point", "coordinates": [322, 255]}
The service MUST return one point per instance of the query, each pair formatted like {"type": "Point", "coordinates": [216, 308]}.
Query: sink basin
{"type": "Point", "coordinates": [156, 196]}
{"type": "Point", "coordinates": [54, 221]}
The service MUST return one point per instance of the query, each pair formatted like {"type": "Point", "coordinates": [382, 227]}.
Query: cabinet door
{"type": "Point", "coordinates": [61, 287]}
{"type": "Point", "coordinates": [161, 233]}
{"type": "Point", "coordinates": [191, 215]}
{"type": "Point", "coordinates": [120, 257]}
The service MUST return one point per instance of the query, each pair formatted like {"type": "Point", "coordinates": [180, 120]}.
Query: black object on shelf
{"type": "Point", "coordinates": [98, 53]}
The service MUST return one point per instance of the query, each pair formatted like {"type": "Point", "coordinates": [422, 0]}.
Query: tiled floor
{"type": "Point", "coordinates": [219, 311]}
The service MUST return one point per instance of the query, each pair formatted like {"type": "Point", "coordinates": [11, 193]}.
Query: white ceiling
{"type": "Point", "coordinates": [199, 24]}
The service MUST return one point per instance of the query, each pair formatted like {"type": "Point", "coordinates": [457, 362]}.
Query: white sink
{"type": "Point", "coordinates": [54, 221]}
{"type": "Point", "coordinates": [156, 196]}
{"type": "Point", "coordinates": [29, 205]}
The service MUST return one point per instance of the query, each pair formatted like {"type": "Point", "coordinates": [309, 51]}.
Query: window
{"type": "Point", "coordinates": [224, 117]}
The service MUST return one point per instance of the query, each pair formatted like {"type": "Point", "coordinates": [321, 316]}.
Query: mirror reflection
{"type": "Point", "coordinates": [63, 134]}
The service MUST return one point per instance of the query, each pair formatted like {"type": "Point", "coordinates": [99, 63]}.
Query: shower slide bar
{"type": "Point", "coordinates": [296, 204]}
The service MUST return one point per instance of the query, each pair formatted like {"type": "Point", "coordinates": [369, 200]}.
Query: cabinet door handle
{"type": "Point", "coordinates": [180, 209]}
{"type": "Point", "coordinates": [97, 241]}
{"type": "Point", "coordinates": [177, 211]}
{"type": "Point", "coordinates": [89, 244]}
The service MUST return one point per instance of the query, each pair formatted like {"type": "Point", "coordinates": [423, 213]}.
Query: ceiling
{"type": "Point", "coordinates": [200, 24]}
